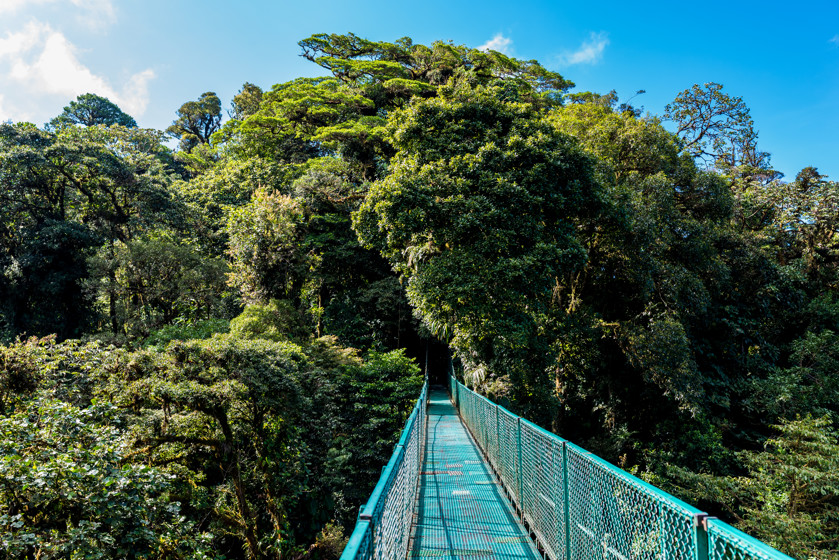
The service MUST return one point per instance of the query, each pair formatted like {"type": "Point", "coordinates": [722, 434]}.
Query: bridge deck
{"type": "Point", "coordinates": [462, 511]}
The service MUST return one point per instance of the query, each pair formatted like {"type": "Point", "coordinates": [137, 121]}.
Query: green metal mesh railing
{"type": "Point", "coordinates": [727, 543]}
{"type": "Point", "coordinates": [384, 523]}
{"type": "Point", "coordinates": [580, 507]}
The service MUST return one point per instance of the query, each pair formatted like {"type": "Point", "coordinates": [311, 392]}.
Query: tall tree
{"type": "Point", "coordinates": [345, 114]}
{"type": "Point", "coordinates": [403, 68]}
{"type": "Point", "coordinates": [481, 215]}
{"type": "Point", "coordinates": [90, 109]}
{"type": "Point", "coordinates": [197, 121]}
{"type": "Point", "coordinates": [712, 124]}
{"type": "Point", "coordinates": [246, 102]}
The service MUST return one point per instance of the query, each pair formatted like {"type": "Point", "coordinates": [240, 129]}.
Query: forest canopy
{"type": "Point", "coordinates": [218, 344]}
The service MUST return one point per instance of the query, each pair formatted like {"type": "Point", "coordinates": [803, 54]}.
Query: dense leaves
{"type": "Point", "coordinates": [482, 194]}
{"type": "Point", "coordinates": [789, 497]}
{"type": "Point", "coordinates": [66, 491]}
{"type": "Point", "coordinates": [663, 298]}
{"type": "Point", "coordinates": [90, 109]}
{"type": "Point", "coordinates": [65, 194]}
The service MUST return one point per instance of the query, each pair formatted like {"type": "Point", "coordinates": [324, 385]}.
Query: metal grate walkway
{"type": "Point", "coordinates": [462, 513]}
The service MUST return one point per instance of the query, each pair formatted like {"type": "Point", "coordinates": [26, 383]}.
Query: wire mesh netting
{"type": "Point", "coordinates": [542, 484]}
{"type": "Point", "coordinates": [581, 507]}
{"type": "Point", "coordinates": [727, 543]}
{"type": "Point", "coordinates": [615, 515]}
{"type": "Point", "coordinates": [384, 523]}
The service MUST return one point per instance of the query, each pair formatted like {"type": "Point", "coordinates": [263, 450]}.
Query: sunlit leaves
{"type": "Point", "coordinates": [197, 121]}
{"type": "Point", "coordinates": [65, 490]}
{"type": "Point", "coordinates": [479, 213]}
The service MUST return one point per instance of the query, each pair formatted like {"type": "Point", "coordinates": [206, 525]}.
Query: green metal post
{"type": "Point", "coordinates": [700, 528]}
{"type": "Point", "coordinates": [456, 394]}
{"type": "Point", "coordinates": [566, 499]}
{"type": "Point", "coordinates": [518, 444]}
{"type": "Point", "coordinates": [497, 442]}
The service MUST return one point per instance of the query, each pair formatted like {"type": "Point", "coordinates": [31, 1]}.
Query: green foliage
{"type": "Point", "coordinates": [63, 194]}
{"type": "Point", "coordinates": [155, 280]}
{"type": "Point", "coordinates": [246, 448]}
{"type": "Point", "coordinates": [224, 414]}
{"type": "Point", "coordinates": [330, 542]}
{"type": "Point", "coordinates": [66, 492]}
{"type": "Point", "coordinates": [790, 496]}
{"type": "Point", "coordinates": [809, 385]}
{"type": "Point", "coordinates": [19, 378]}
{"type": "Point", "coordinates": [345, 115]}
{"type": "Point", "coordinates": [247, 101]}
{"type": "Point", "coordinates": [90, 109]}
{"type": "Point", "coordinates": [191, 330]}
{"type": "Point", "coordinates": [403, 66]}
{"type": "Point", "coordinates": [264, 247]}
{"type": "Point", "coordinates": [112, 179]}
{"type": "Point", "coordinates": [197, 121]}
{"type": "Point", "coordinates": [661, 352]}
{"type": "Point", "coordinates": [375, 398]}
{"type": "Point", "coordinates": [70, 371]}
{"type": "Point", "coordinates": [802, 220]}
{"type": "Point", "coordinates": [227, 185]}
{"type": "Point", "coordinates": [480, 214]}
{"type": "Point", "coordinates": [277, 320]}
{"type": "Point", "coordinates": [351, 291]}
{"type": "Point", "coordinates": [44, 265]}
{"type": "Point", "coordinates": [625, 146]}
{"type": "Point", "coordinates": [718, 129]}
{"type": "Point", "coordinates": [298, 118]}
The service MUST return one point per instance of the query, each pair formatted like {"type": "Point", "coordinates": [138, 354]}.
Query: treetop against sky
{"type": "Point", "coordinates": [150, 57]}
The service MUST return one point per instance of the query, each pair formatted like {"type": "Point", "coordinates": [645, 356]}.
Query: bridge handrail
{"type": "Point", "coordinates": [384, 522]}
{"type": "Point", "coordinates": [581, 507]}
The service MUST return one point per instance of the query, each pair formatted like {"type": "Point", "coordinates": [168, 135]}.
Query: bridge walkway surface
{"type": "Point", "coordinates": [461, 510]}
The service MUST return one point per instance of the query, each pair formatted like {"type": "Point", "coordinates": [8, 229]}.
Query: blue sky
{"type": "Point", "coordinates": [150, 56]}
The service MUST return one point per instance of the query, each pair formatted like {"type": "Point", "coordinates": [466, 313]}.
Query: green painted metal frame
{"type": "Point", "coordinates": [580, 507]}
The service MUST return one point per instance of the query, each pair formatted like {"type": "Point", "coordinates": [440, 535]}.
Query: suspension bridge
{"type": "Point", "coordinates": [469, 480]}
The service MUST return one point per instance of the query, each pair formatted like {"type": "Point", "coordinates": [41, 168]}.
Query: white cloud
{"type": "Point", "coordinates": [93, 13]}
{"type": "Point", "coordinates": [834, 40]}
{"type": "Point", "coordinates": [135, 94]}
{"type": "Point", "coordinates": [39, 67]}
{"type": "Point", "coordinates": [11, 6]}
{"type": "Point", "coordinates": [22, 41]}
{"type": "Point", "coordinates": [498, 43]}
{"type": "Point", "coordinates": [590, 52]}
